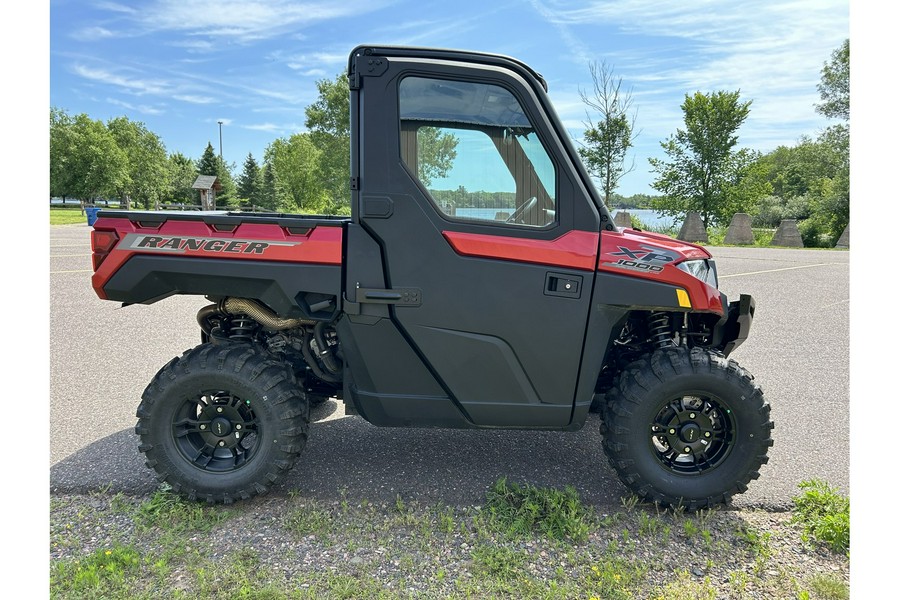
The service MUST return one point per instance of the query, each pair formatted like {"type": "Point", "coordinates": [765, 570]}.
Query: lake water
{"type": "Point", "coordinates": [650, 218]}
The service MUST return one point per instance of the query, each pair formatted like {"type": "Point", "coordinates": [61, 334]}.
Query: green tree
{"type": "Point", "coordinates": [249, 184]}
{"type": "Point", "coordinates": [86, 161]}
{"type": "Point", "coordinates": [62, 148]}
{"type": "Point", "coordinates": [328, 121]}
{"type": "Point", "coordinates": [182, 174]}
{"type": "Point", "coordinates": [702, 166]}
{"type": "Point", "coordinates": [147, 177]}
{"type": "Point", "coordinates": [211, 164]}
{"type": "Point", "coordinates": [834, 87]}
{"type": "Point", "coordinates": [436, 153]}
{"type": "Point", "coordinates": [607, 141]}
{"type": "Point", "coordinates": [268, 194]}
{"type": "Point", "coordinates": [297, 167]}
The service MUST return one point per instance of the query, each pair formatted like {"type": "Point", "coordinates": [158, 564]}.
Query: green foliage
{"type": "Point", "coordinates": [169, 512]}
{"type": "Point", "coordinates": [250, 183]}
{"type": "Point", "coordinates": [614, 579]}
{"type": "Point", "coordinates": [824, 514]}
{"type": "Point", "coordinates": [86, 161]}
{"type": "Point", "coordinates": [521, 510]}
{"type": "Point", "coordinates": [183, 174]}
{"type": "Point", "coordinates": [296, 163]}
{"type": "Point", "coordinates": [834, 88]}
{"type": "Point", "coordinates": [607, 141]}
{"type": "Point", "coordinates": [328, 122]}
{"type": "Point", "coordinates": [103, 574]}
{"type": "Point", "coordinates": [828, 587]}
{"type": "Point", "coordinates": [212, 164]}
{"type": "Point", "coordinates": [703, 171]}
{"type": "Point", "coordinates": [498, 562]}
{"type": "Point", "coordinates": [147, 178]}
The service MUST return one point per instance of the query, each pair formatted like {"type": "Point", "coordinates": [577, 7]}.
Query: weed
{"type": "Point", "coordinates": [824, 514]}
{"type": "Point", "coordinates": [629, 502]}
{"type": "Point", "coordinates": [829, 587]}
{"type": "Point", "coordinates": [690, 528]}
{"type": "Point", "coordinates": [521, 510]}
{"type": "Point", "coordinates": [309, 521]}
{"type": "Point", "coordinates": [169, 512]}
{"type": "Point", "coordinates": [685, 588]}
{"type": "Point", "coordinates": [614, 578]}
{"type": "Point", "coordinates": [103, 574]}
{"type": "Point", "coordinates": [498, 562]}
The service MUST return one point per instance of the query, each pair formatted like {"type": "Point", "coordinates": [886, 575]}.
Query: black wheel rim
{"type": "Point", "coordinates": [216, 431]}
{"type": "Point", "coordinates": [692, 434]}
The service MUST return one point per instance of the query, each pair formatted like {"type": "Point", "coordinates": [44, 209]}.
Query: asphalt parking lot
{"type": "Point", "coordinates": [102, 356]}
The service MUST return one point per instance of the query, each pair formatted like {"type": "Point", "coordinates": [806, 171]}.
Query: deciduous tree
{"type": "Point", "coordinates": [702, 164]}
{"type": "Point", "coordinates": [609, 133]}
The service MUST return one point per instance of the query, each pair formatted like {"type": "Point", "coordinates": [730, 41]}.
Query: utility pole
{"type": "Point", "coordinates": [220, 140]}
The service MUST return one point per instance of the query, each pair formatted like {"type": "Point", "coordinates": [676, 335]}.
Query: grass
{"type": "Point", "coordinates": [524, 542]}
{"type": "Point", "coordinates": [518, 510]}
{"type": "Point", "coordinates": [824, 514]}
{"type": "Point", "coordinates": [67, 216]}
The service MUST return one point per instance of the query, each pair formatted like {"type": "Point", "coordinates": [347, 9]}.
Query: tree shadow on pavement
{"type": "Point", "coordinates": [348, 457]}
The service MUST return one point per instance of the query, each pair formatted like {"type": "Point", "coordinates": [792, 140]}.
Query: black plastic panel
{"type": "Point", "coordinates": [148, 279]}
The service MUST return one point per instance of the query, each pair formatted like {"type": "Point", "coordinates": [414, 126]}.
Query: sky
{"type": "Point", "coordinates": [182, 66]}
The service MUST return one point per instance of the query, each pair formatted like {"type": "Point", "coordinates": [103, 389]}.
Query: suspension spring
{"type": "Point", "coordinates": [660, 333]}
{"type": "Point", "coordinates": [242, 328]}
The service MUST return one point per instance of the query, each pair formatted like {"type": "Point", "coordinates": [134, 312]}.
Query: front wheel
{"type": "Point", "coordinates": [222, 422]}
{"type": "Point", "coordinates": [686, 428]}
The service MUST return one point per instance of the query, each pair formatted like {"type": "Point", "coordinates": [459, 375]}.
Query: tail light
{"type": "Point", "coordinates": [102, 242]}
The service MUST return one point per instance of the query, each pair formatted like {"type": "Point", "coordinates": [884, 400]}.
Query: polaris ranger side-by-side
{"type": "Point", "coordinates": [478, 283]}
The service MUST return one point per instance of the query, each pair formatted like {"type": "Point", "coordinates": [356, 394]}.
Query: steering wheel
{"type": "Point", "coordinates": [519, 213]}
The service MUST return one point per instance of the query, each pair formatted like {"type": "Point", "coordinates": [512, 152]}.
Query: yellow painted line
{"type": "Point", "coordinates": [784, 269]}
{"type": "Point", "coordinates": [81, 271]}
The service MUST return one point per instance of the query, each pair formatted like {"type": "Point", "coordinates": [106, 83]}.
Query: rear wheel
{"type": "Point", "coordinates": [686, 428]}
{"type": "Point", "coordinates": [222, 422]}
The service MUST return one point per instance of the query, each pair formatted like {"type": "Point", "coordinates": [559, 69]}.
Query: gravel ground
{"type": "Point", "coordinates": [301, 545]}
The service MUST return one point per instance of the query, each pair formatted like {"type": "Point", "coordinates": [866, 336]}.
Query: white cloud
{"type": "Point", "coordinates": [244, 21]}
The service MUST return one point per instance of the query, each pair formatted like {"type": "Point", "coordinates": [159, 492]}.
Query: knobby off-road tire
{"type": "Point", "coordinates": [222, 422]}
{"type": "Point", "coordinates": [686, 428]}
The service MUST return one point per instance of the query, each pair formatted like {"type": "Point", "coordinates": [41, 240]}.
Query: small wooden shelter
{"type": "Point", "coordinates": [208, 186]}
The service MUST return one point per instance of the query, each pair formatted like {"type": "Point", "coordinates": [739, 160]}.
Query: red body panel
{"type": "Point", "coordinates": [653, 256]}
{"type": "Point", "coordinates": [572, 250]}
{"type": "Point", "coordinates": [249, 241]}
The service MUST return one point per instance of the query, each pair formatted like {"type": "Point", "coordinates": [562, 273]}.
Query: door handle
{"type": "Point", "coordinates": [563, 284]}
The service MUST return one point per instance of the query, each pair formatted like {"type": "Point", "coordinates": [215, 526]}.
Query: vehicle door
{"type": "Point", "coordinates": [488, 238]}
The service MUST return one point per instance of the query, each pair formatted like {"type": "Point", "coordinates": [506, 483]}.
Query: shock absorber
{"type": "Point", "coordinates": [660, 332]}
{"type": "Point", "coordinates": [242, 328]}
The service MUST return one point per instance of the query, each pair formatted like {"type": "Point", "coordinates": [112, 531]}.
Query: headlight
{"type": "Point", "coordinates": [704, 270]}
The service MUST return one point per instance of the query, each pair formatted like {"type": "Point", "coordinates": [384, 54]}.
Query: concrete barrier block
{"type": "Point", "coordinates": [739, 232]}
{"type": "Point", "coordinates": [693, 230]}
{"type": "Point", "coordinates": [844, 240]}
{"type": "Point", "coordinates": [623, 219]}
{"type": "Point", "coordinates": [788, 235]}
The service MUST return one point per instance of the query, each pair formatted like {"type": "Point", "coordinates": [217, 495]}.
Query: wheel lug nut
{"type": "Point", "coordinates": [238, 426]}
{"type": "Point", "coordinates": [688, 449]}
{"type": "Point", "coordinates": [222, 443]}
{"type": "Point", "coordinates": [672, 432]}
{"type": "Point", "coordinates": [220, 410]}
{"type": "Point", "coordinates": [693, 415]}
{"type": "Point", "coordinates": [707, 434]}
{"type": "Point", "coordinates": [203, 427]}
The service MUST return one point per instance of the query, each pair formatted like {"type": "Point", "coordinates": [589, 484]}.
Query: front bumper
{"type": "Point", "coordinates": [734, 328]}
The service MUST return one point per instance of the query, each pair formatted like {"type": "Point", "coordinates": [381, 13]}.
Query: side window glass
{"type": "Point", "coordinates": [472, 147]}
